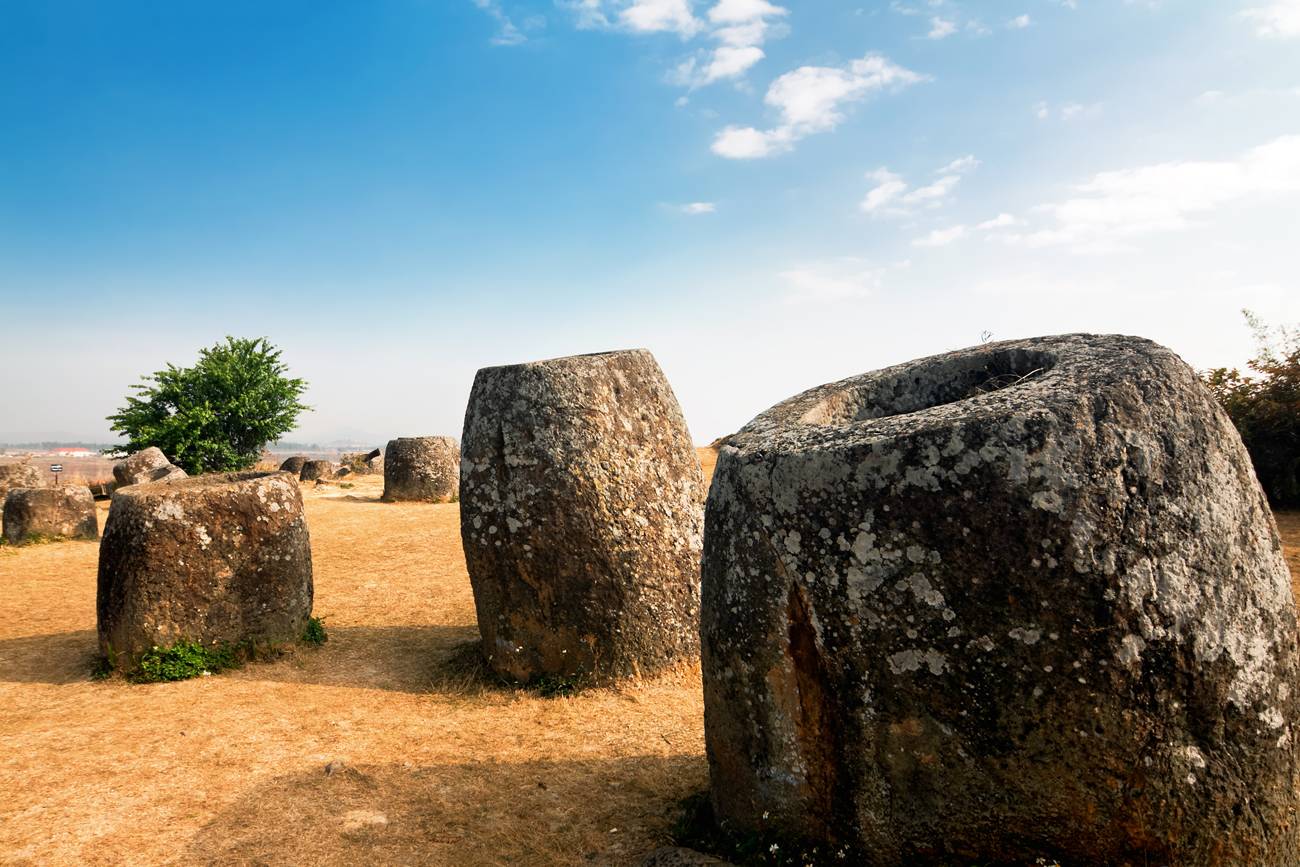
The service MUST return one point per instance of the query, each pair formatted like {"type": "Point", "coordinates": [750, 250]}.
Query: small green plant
{"type": "Point", "coordinates": [183, 660]}
{"type": "Point", "coordinates": [347, 485]}
{"type": "Point", "coordinates": [314, 633]}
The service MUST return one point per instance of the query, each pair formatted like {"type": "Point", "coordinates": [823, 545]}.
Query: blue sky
{"type": "Point", "coordinates": [767, 195]}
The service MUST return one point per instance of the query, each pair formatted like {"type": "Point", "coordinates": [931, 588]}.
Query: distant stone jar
{"type": "Point", "coordinates": [146, 465]}
{"type": "Point", "coordinates": [20, 476]}
{"type": "Point", "coordinates": [1022, 600]}
{"type": "Point", "coordinates": [314, 470]}
{"type": "Point", "coordinates": [422, 468]}
{"type": "Point", "coordinates": [581, 511]}
{"type": "Point", "coordinates": [215, 559]}
{"type": "Point", "coordinates": [293, 464]}
{"type": "Point", "coordinates": [64, 512]}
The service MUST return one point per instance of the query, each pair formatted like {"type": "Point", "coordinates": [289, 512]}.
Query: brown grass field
{"type": "Point", "coordinates": [438, 767]}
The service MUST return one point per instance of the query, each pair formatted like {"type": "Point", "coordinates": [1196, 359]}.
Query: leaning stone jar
{"type": "Point", "coordinates": [216, 559]}
{"type": "Point", "coordinates": [1022, 600]}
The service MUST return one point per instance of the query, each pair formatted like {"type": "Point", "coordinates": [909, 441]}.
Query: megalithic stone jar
{"type": "Point", "coordinates": [581, 516]}
{"type": "Point", "coordinates": [215, 559]}
{"type": "Point", "coordinates": [1021, 600]}
{"type": "Point", "coordinates": [422, 468]}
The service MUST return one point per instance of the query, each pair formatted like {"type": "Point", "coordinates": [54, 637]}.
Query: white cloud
{"type": "Point", "coordinates": [1280, 19]}
{"type": "Point", "coordinates": [742, 11]}
{"type": "Point", "coordinates": [892, 196]}
{"type": "Point", "coordinates": [747, 143]}
{"type": "Point", "coordinates": [812, 99]}
{"type": "Point", "coordinates": [696, 208]}
{"type": "Point", "coordinates": [739, 27]}
{"type": "Point", "coordinates": [889, 187]}
{"type": "Point", "coordinates": [1020, 22]}
{"type": "Point", "coordinates": [836, 280]}
{"type": "Point", "coordinates": [507, 33]}
{"type": "Point", "coordinates": [657, 16]}
{"type": "Point", "coordinates": [960, 166]}
{"type": "Point", "coordinates": [941, 237]}
{"type": "Point", "coordinates": [940, 28]}
{"type": "Point", "coordinates": [588, 14]}
{"type": "Point", "coordinates": [1107, 212]}
{"type": "Point", "coordinates": [1001, 221]}
{"type": "Point", "coordinates": [1067, 111]}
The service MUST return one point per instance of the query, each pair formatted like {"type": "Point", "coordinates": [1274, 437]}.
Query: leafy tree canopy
{"type": "Point", "coordinates": [1265, 407]}
{"type": "Point", "coordinates": [217, 415]}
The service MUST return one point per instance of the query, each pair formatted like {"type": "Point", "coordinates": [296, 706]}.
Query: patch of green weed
{"type": "Point", "coordinates": [314, 632]}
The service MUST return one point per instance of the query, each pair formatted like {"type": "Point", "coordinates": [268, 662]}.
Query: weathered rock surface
{"type": "Point", "coordinates": [581, 517]}
{"type": "Point", "coordinates": [64, 512]}
{"type": "Point", "coordinates": [20, 476]}
{"type": "Point", "coordinates": [215, 559]}
{"type": "Point", "coordinates": [293, 464]}
{"type": "Point", "coordinates": [313, 470]}
{"type": "Point", "coordinates": [146, 465]}
{"type": "Point", "coordinates": [1021, 600]}
{"type": "Point", "coordinates": [422, 468]}
{"type": "Point", "coordinates": [676, 856]}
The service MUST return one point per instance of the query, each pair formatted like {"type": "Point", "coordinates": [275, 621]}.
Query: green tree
{"type": "Point", "coordinates": [217, 415]}
{"type": "Point", "coordinates": [1265, 407]}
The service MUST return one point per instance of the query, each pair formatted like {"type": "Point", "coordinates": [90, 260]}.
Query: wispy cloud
{"type": "Point", "coordinates": [1020, 22]}
{"type": "Point", "coordinates": [1109, 211]}
{"type": "Point", "coordinates": [696, 208]}
{"type": "Point", "coordinates": [1279, 19]}
{"type": "Point", "coordinates": [844, 279]}
{"type": "Point", "coordinates": [739, 27]}
{"type": "Point", "coordinates": [1067, 111]}
{"type": "Point", "coordinates": [811, 100]}
{"type": "Point", "coordinates": [941, 237]}
{"type": "Point", "coordinates": [508, 33]}
{"type": "Point", "coordinates": [894, 197]}
{"type": "Point", "coordinates": [940, 28]}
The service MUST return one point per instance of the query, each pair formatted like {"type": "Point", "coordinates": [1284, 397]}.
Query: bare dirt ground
{"type": "Point", "coordinates": [437, 768]}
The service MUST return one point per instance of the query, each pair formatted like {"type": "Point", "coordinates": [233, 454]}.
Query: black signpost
{"type": "Point", "coordinates": [56, 469]}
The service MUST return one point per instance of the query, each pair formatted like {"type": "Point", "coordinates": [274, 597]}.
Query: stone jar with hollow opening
{"type": "Point", "coordinates": [1022, 600]}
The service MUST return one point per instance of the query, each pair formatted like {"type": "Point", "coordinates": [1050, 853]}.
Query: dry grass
{"type": "Point", "coordinates": [439, 768]}
{"type": "Point", "coordinates": [1289, 525]}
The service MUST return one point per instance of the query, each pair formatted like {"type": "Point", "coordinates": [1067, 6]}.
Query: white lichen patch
{"type": "Point", "coordinates": [1025, 636]}
{"type": "Point", "coordinates": [912, 659]}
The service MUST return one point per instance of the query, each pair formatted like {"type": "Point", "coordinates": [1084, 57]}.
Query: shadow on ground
{"type": "Point", "coordinates": [534, 812]}
{"type": "Point", "coordinates": [412, 659]}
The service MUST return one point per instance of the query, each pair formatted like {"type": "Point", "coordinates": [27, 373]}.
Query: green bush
{"type": "Point", "coordinates": [217, 415]}
{"type": "Point", "coordinates": [1265, 407]}
{"type": "Point", "coordinates": [183, 660]}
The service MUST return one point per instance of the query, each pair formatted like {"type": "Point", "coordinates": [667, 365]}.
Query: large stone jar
{"type": "Point", "coordinates": [214, 559]}
{"type": "Point", "coordinates": [581, 516]}
{"type": "Point", "coordinates": [1022, 600]}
